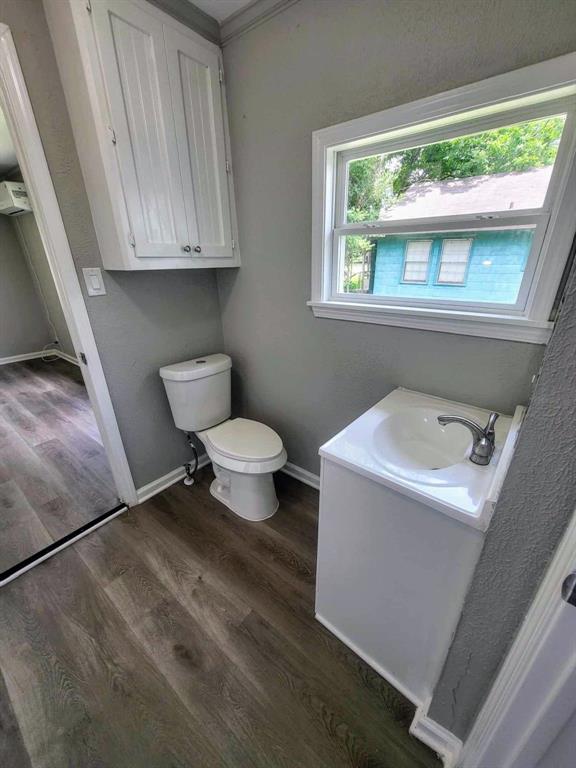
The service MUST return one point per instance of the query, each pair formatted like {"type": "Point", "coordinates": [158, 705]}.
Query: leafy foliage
{"type": "Point", "coordinates": [380, 180]}
{"type": "Point", "coordinates": [504, 150]}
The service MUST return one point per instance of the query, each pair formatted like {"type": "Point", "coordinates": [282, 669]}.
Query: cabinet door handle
{"type": "Point", "coordinates": [198, 249]}
{"type": "Point", "coordinates": [186, 248]}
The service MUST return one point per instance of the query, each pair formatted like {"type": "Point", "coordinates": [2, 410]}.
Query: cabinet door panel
{"type": "Point", "coordinates": [197, 103]}
{"type": "Point", "coordinates": [133, 58]}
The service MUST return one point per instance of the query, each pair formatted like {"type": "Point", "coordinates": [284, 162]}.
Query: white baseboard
{"type": "Point", "coordinates": [394, 682]}
{"type": "Point", "coordinates": [161, 483]}
{"type": "Point", "coordinates": [66, 356]}
{"type": "Point", "coordinates": [20, 358]}
{"type": "Point", "coordinates": [309, 478]}
{"type": "Point", "coordinates": [435, 736]}
{"type": "Point", "coordinates": [35, 355]}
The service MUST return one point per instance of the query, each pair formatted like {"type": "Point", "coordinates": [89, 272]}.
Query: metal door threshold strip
{"type": "Point", "coordinates": [43, 554]}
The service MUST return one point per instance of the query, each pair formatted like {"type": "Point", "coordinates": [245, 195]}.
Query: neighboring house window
{"type": "Point", "coordinates": [416, 261]}
{"type": "Point", "coordinates": [454, 261]}
{"type": "Point", "coordinates": [450, 213]}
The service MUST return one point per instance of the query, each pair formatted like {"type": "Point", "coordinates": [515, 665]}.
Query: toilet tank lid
{"type": "Point", "coordinates": [197, 368]}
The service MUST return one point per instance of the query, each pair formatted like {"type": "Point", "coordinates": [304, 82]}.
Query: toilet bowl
{"type": "Point", "coordinates": [244, 453]}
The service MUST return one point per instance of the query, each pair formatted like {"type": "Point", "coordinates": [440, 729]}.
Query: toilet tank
{"type": "Point", "coordinates": [198, 391]}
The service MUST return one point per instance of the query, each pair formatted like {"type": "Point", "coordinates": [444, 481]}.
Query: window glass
{"type": "Point", "coordinates": [454, 261]}
{"type": "Point", "coordinates": [483, 266]}
{"type": "Point", "coordinates": [416, 261]}
{"type": "Point", "coordinates": [502, 169]}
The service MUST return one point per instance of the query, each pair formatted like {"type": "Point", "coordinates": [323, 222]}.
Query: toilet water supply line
{"type": "Point", "coordinates": [189, 479]}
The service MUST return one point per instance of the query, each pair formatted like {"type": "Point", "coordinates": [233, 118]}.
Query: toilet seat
{"type": "Point", "coordinates": [243, 445]}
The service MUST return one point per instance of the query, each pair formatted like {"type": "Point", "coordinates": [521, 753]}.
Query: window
{"type": "Point", "coordinates": [442, 213]}
{"type": "Point", "coordinates": [454, 261]}
{"type": "Point", "coordinates": [416, 261]}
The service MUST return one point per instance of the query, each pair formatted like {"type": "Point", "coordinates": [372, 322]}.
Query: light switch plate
{"type": "Point", "coordinates": [94, 282]}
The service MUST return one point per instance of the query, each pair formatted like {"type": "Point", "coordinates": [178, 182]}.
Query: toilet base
{"type": "Point", "coordinates": [252, 497]}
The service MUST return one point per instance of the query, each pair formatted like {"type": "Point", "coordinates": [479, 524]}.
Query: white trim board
{"type": "Point", "coordinates": [21, 358]}
{"type": "Point", "coordinates": [462, 323]}
{"type": "Point", "coordinates": [17, 109]}
{"type": "Point", "coordinates": [36, 355]}
{"type": "Point", "coordinates": [69, 358]}
{"type": "Point", "coordinates": [303, 475]}
{"type": "Point", "coordinates": [435, 736]}
{"type": "Point", "coordinates": [170, 478]}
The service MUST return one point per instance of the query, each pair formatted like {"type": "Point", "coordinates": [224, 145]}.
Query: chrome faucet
{"type": "Point", "coordinates": [483, 438]}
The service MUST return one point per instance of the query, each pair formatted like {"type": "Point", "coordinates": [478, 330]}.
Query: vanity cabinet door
{"type": "Point", "coordinates": [194, 71]}
{"type": "Point", "coordinates": [133, 59]}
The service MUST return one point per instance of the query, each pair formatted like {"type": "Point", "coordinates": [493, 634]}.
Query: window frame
{"type": "Point", "coordinates": [464, 280]}
{"type": "Point", "coordinates": [536, 91]}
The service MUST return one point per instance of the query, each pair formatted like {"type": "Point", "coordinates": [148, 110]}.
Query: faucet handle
{"type": "Point", "coordinates": [489, 428]}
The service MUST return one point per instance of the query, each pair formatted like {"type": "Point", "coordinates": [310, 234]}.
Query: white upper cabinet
{"type": "Point", "coordinates": [133, 57]}
{"type": "Point", "coordinates": [195, 86]}
{"type": "Point", "coordinates": [158, 174]}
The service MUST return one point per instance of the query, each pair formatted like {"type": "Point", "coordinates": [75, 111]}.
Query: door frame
{"type": "Point", "coordinates": [15, 102]}
{"type": "Point", "coordinates": [505, 724]}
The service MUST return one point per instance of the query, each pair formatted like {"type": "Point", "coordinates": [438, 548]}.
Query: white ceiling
{"type": "Point", "coordinates": [8, 158]}
{"type": "Point", "coordinates": [221, 9]}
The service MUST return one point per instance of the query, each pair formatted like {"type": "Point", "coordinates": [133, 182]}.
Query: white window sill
{"type": "Point", "coordinates": [492, 326]}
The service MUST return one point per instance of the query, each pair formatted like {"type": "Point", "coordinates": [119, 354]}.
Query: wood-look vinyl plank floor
{"type": "Point", "coordinates": [180, 635]}
{"type": "Point", "coordinates": [51, 450]}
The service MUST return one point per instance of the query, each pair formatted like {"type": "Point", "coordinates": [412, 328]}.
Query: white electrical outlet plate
{"type": "Point", "coordinates": [94, 282]}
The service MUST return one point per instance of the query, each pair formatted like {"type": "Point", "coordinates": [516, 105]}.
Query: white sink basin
{"type": "Point", "coordinates": [400, 443]}
{"type": "Point", "coordinates": [412, 440]}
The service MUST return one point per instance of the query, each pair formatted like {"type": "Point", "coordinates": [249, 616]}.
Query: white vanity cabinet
{"type": "Point", "coordinates": [392, 577]}
{"type": "Point", "coordinates": [151, 132]}
{"type": "Point", "coordinates": [403, 512]}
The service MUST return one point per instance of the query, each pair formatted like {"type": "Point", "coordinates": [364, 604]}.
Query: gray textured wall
{"type": "Point", "coordinates": [29, 237]}
{"type": "Point", "coordinates": [146, 319]}
{"type": "Point", "coordinates": [537, 500]}
{"type": "Point", "coordinates": [316, 64]}
{"type": "Point", "coordinates": [321, 62]}
{"type": "Point", "coordinates": [23, 325]}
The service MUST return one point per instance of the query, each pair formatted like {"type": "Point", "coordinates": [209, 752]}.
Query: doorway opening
{"type": "Point", "coordinates": [63, 469]}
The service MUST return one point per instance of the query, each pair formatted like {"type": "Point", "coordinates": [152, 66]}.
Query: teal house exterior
{"type": "Point", "coordinates": [492, 272]}
{"type": "Point", "coordinates": [483, 265]}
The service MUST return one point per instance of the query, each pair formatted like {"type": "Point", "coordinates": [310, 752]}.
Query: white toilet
{"type": "Point", "coordinates": [244, 453]}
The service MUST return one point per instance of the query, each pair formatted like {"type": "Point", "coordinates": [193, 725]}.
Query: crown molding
{"type": "Point", "coordinates": [250, 17]}
{"type": "Point", "coordinates": [191, 16]}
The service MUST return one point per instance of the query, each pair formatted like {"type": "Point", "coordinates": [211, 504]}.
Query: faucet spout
{"type": "Point", "coordinates": [483, 438]}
